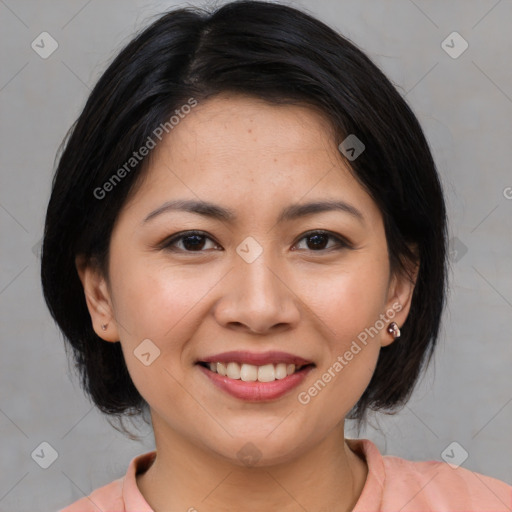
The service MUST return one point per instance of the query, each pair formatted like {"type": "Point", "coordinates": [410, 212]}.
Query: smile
{"type": "Point", "coordinates": [256, 382]}
{"type": "Point", "coordinates": [252, 373]}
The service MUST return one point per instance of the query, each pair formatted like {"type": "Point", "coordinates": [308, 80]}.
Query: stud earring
{"type": "Point", "coordinates": [394, 330]}
{"type": "Point", "coordinates": [104, 327]}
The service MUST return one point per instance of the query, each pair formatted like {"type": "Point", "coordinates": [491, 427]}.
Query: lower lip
{"type": "Point", "coordinates": [257, 391]}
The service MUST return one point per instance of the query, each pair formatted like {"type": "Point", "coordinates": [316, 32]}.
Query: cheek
{"type": "Point", "coordinates": [160, 304]}
{"type": "Point", "coordinates": [349, 307]}
{"type": "Point", "coordinates": [350, 304]}
{"type": "Point", "coordinates": [164, 304]}
{"type": "Point", "coordinates": [153, 299]}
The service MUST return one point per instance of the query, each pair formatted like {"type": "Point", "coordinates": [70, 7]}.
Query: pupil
{"type": "Point", "coordinates": [317, 237]}
{"type": "Point", "coordinates": [195, 245]}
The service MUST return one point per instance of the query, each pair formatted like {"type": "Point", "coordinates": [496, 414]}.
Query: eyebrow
{"type": "Point", "coordinates": [289, 213]}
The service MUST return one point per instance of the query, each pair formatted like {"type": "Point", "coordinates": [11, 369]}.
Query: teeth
{"type": "Point", "coordinates": [281, 371]}
{"type": "Point", "coordinates": [266, 373]}
{"type": "Point", "coordinates": [233, 371]}
{"type": "Point", "coordinates": [248, 372]}
{"type": "Point", "coordinates": [221, 369]}
{"type": "Point", "coordinates": [252, 373]}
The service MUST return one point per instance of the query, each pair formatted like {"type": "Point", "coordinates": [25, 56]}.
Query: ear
{"type": "Point", "coordinates": [400, 291]}
{"type": "Point", "coordinates": [97, 297]}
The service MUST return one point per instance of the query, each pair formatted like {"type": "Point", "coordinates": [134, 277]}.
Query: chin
{"type": "Point", "coordinates": [259, 450]}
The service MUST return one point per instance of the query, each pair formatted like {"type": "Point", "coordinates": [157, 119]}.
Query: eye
{"type": "Point", "coordinates": [197, 241]}
{"type": "Point", "coordinates": [319, 241]}
{"type": "Point", "coordinates": [190, 241]}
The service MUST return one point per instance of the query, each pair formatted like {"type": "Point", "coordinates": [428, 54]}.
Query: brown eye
{"type": "Point", "coordinates": [190, 241]}
{"type": "Point", "coordinates": [193, 242]}
{"type": "Point", "coordinates": [318, 241]}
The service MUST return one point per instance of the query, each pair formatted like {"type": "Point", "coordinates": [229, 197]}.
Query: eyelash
{"type": "Point", "coordinates": [168, 243]}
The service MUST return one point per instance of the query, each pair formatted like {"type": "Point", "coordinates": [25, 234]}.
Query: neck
{"type": "Point", "coordinates": [184, 477]}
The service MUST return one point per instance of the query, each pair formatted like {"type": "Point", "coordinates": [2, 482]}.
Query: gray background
{"type": "Point", "coordinates": [465, 107]}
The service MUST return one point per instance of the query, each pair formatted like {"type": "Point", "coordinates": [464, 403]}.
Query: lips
{"type": "Point", "coordinates": [255, 376]}
{"type": "Point", "coordinates": [256, 359]}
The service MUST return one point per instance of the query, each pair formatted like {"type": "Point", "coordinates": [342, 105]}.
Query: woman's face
{"type": "Point", "coordinates": [260, 282]}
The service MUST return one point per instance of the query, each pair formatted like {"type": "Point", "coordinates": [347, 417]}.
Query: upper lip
{"type": "Point", "coordinates": [255, 358]}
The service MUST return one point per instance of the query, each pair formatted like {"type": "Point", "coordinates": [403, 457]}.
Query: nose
{"type": "Point", "coordinates": [258, 297]}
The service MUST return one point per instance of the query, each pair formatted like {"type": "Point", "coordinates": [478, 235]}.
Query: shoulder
{"type": "Point", "coordinates": [423, 485]}
{"type": "Point", "coordinates": [395, 484]}
{"type": "Point", "coordinates": [121, 495]}
{"type": "Point", "coordinates": [109, 497]}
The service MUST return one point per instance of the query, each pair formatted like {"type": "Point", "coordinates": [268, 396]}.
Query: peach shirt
{"type": "Point", "coordinates": [393, 485]}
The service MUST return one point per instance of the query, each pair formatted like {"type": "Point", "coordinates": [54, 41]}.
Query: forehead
{"type": "Point", "coordinates": [236, 124]}
{"type": "Point", "coordinates": [246, 150]}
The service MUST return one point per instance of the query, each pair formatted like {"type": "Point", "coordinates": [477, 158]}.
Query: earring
{"type": "Point", "coordinates": [394, 330]}
{"type": "Point", "coordinates": [104, 327]}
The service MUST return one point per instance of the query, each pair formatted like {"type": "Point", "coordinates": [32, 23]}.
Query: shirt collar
{"type": "Point", "coordinates": [370, 498]}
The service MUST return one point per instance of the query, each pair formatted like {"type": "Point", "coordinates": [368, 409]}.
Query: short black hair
{"type": "Point", "coordinates": [281, 55]}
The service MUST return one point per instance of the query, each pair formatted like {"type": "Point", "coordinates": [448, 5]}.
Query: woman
{"type": "Point", "coordinates": [246, 238]}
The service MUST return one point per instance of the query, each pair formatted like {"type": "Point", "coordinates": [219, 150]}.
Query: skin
{"type": "Point", "coordinates": [254, 158]}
